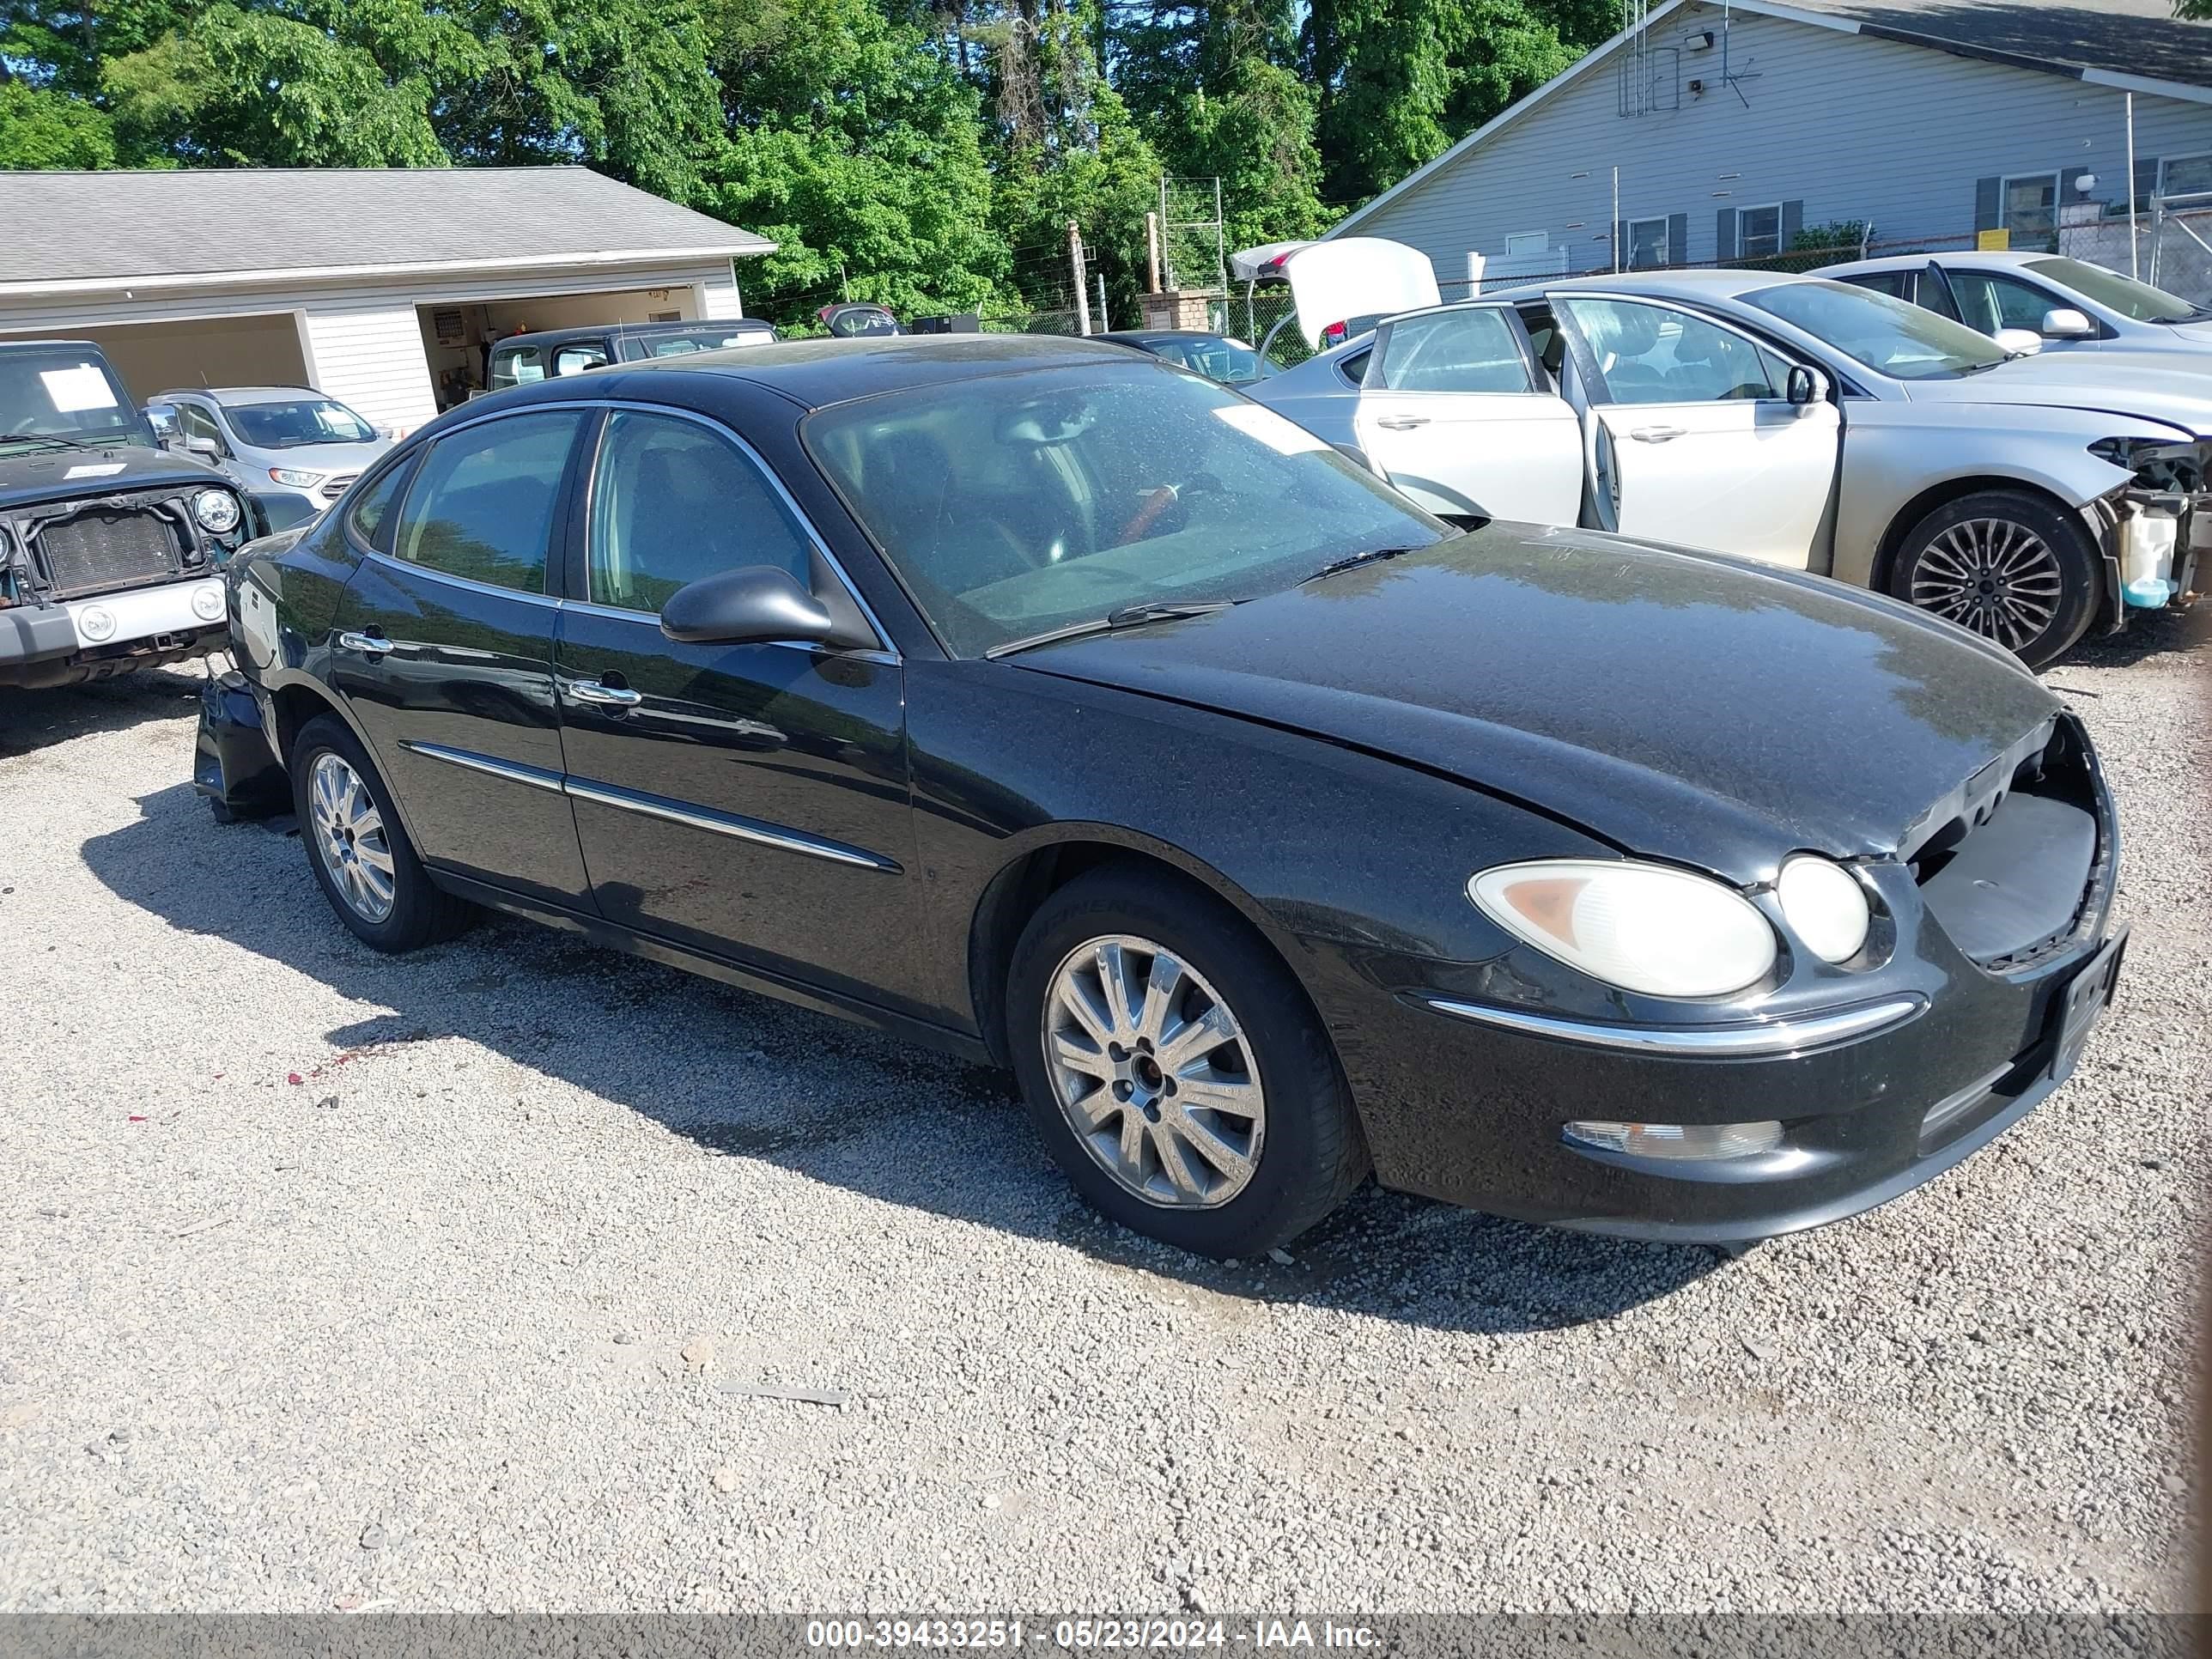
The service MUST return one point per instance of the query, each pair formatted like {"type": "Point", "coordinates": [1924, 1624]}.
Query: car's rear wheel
{"type": "Point", "coordinates": [1174, 1069]}
{"type": "Point", "coordinates": [2009, 566]}
{"type": "Point", "coordinates": [360, 853]}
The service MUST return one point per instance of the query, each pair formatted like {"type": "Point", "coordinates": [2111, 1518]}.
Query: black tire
{"type": "Point", "coordinates": [1310, 1153]}
{"type": "Point", "coordinates": [1931, 574]}
{"type": "Point", "coordinates": [420, 912]}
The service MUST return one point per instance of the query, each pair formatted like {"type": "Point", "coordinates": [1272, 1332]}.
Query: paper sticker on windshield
{"type": "Point", "coordinates": [108, 471]}
{"type": "Point", "coordinates": [80, 388]}
{"type": "Point", "coordinates": [1285, 437]}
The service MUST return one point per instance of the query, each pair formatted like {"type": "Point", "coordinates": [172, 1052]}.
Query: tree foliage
{"type": "Point", "coordinates": [926, 154]}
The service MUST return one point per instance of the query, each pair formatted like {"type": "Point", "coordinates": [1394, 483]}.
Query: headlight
{"type": "Point", "coordinates": [1825, 906]}
{"type": "Point", "coordinates": [216, 510]}
{"type": "Point", "coordinates": [296, 479]}
{"type": "Point", "coordinates": [1642, 927]}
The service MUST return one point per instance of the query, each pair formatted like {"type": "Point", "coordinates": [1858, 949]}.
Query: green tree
{"type": "Point", "coordinates": [40, 127]}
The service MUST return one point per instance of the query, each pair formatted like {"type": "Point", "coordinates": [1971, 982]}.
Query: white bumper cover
{"type": "Point", "coordinates": [175, 608]}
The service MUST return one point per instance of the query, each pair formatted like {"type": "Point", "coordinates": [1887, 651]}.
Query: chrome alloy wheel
{"type": "Point", "coordinates": [355, 847]}
{"type": "Point", "coordinates": [1993, 575]}
{"type": "Point", "coordinates": [1153, 1072]}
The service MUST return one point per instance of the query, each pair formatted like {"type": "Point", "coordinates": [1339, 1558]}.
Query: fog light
{"type": "Point", "coordinates": [206, 603]}
{"type": "Point", "coordinates": [1678, 1141]}
{"type": "Point", "coordinates": [96, 622]}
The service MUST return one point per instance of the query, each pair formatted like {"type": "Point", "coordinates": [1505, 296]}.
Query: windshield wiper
{"type": "Point", "coordinates": [50, 438]}
{"type": "Point", "coordinates": [1372, 555]}
{"type": "Point", "coordinates": [1129, 616]}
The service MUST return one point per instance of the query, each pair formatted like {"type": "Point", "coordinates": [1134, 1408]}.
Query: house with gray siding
{"type": "Point", "coordinates": [1718, 130]}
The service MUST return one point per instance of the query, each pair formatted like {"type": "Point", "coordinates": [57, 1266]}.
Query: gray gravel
{"type": "Point", "coordinates": [520, 1275]}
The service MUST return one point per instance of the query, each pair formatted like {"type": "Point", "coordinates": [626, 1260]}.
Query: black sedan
{"type": "Point", "coordinates": [1058, 708]}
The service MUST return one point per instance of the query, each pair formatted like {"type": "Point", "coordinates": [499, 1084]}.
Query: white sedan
{"type": "Point", "coordinates": [2068, 305]}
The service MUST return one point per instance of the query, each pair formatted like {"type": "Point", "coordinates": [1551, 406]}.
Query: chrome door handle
{"type": "Point", "coordinates": [619, 696]}
{"type": "Point", "coordinates": [369, 645]}
{"type": "Point", "coordinates": [1656, 434]}
{"type": "Point", "coordinates": [1403, 423]}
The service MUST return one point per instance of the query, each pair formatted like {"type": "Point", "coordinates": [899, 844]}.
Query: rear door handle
{"type": "Point", "coordinates": [369, 645]}
{"type": "Point", "coordinates": [1656, 434]}
{"type": "Point", "coordinates": [1403, 423]}
{"type": "Point", "coordinates": [619, 696]}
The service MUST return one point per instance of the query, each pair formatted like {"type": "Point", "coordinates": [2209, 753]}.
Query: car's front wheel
{"type": "Point", "coordinates": [357, 848]}
{"type": "Point", "coordinates": [1174, 1067]}
{"type": "Point", "coordinates": [2009, 566]}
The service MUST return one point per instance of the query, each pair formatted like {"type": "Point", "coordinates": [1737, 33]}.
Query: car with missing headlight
{"type": "Point", "coordinates": [108, 545]}
{"type": "Point", "coordinates": [1036, 699]}
{"type": "Point", "coordinates": [292, 448]}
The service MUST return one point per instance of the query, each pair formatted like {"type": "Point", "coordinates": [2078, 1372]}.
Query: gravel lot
{"type": "Point", "coordinates": [333, 1281]}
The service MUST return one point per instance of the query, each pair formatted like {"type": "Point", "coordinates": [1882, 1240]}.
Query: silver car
{"type": "Point", "coordinates": [2067, 305]}
{"type": "Point", "coordinates": [292, 448]}
{"type": "Point", "coordinates": [1801, 422]}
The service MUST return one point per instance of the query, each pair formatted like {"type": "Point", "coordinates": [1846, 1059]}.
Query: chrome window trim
{"type": "Point", "coordinates": [722, 823]}
{"type": "Point", "coordinates": [1787, 1036]}
{"type": "Point", "coordinates": [470, 760]}
{"type": "Point", "coordinates": [883, 645]}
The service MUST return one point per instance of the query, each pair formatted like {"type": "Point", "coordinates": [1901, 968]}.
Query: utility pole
{"type": "Point", "coordinates": [1153, 251]}
{"type": "Point", "coordinates": [1099, 276]}
{"type": "Point", "coordinates": [2133, 270]}
{"type": "Point", "coordinates": [1075, 264]}
{"type": "Point", "coordinates": [1618, 230]}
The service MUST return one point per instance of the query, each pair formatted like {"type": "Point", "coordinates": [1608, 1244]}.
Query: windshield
{"type": "Point", "coordinates": [65, 392]}
{"type": "Point", "coordinates": [1887, 335]}
{"type": "Point", "coordinates": [1230, 362]}
{"type": "Point", "coordinates": [2140, 301]}
{"type": "Point", "coordinates": [1016, 504]}
{"type": "Point", "coordinates": [301, 421]}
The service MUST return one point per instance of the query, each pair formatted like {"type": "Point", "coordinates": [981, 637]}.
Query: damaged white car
{"type": "Point", "coordinates": [1796, 421]}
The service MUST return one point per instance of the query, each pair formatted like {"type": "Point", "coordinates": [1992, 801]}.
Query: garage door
{"type": "Point", "coordinates": [251, 351]}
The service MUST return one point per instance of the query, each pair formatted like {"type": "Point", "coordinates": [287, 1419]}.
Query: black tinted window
{"type": "Point", "coordinates": [482, 506]}
{"type": "Point", "coordinates": [373, 506]}
{"type": "Point", "coordinates": [673, 501]}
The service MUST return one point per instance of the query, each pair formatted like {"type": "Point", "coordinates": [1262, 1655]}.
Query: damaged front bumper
{"type": "Point", "coordinates": [2154, 531]}
{"type": "Point", "coordinates": [233, 763]}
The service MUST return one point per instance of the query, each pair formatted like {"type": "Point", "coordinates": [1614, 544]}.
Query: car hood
{"type": "Point", "coordinates": [47, 474]}
{"type": "Point", "coordinates": [320, 458]}
{"type": "Point", "coordinates": [1679, 705]}
{"type": "Point", "coordinates": [2148, 384]}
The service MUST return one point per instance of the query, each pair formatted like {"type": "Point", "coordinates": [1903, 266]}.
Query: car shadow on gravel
{"type": "Point", "coordinates": [39, 720]}
{"type": "Point", "coordinates": [741, 1075]}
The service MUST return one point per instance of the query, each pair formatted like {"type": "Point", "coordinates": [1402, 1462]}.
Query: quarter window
{"type": "Point", "coordinates": [1758, 232]}
{"type": "Point", "coordinates": [673, 501]}
{"type": "Point", "coordinates": [483, 504]}
{"type": "Point", "coordinates": [1469, 350]}
{"type": "Point", "coordinates": [373, 505]}
{"type": "Point", "coordinates": [1650, 355]}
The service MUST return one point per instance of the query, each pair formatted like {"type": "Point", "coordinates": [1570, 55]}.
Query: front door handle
{"type": "Point", "coordinates": [618, 696]}
{"type": "Point", "coordinates": [1402, 422]}
{"type": "Point", "coordinates": [369, 645]}
{"type": "Point", "coordinates": [1656, 434]}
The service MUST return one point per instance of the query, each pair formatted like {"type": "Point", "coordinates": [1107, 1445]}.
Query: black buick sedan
{"type": "Point", "coordinates": [1057, 707]}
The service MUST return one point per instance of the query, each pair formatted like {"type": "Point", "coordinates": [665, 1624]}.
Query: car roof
{"type": "Point", "coordinates": [231, 397]}
{"type": "Point", "coordinates": [1920, 261]}
{"type": "Point", "coordinates": [48, 345]}
{"type": "Point", "coordinates": [1658, 284]}
{"type": "Point", "coordinates": [819, 372]}
{"type": "Point", "coordinates": [545, 337]}
{"type": "Point", "coordinates": [1138, 336]}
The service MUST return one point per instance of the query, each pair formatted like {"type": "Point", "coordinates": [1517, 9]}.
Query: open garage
{"type": "Point", "coordinates": [380, 287]}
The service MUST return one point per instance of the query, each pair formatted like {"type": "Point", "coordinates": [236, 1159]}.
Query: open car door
{"type": "Point", "coordinates": [1694, 433]}
{"type": "Point", "coordinates": [1454, 408]}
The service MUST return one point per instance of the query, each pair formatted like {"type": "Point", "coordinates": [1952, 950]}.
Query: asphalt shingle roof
{"type": "Point", "coordinates": [2125, 37]}
{"type": "Point", "coordinates": [73, 226]}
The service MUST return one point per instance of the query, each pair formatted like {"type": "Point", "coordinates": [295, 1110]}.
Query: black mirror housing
{"type": "Point", "coordinates": [750, 606]}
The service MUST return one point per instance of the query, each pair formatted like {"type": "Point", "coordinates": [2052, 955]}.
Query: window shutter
{"type": "Point", "coordinates": [1989, 203]}
{"type": "Point", "coordinates": [1725, 245]}
{"type": "Point", "coordinates": [1678, 238]}
{"type": "Point", "coordinates": [1793, 221]}
{"type": "Point", "coordinates": [2146, 181]}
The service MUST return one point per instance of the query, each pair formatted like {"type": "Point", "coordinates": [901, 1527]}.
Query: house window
{"type": "Point", "coordinates": [1647, 243]}
{"type": "Point", "coordinates": [2186, 176]}
{"type": "Point", "coordinates": [1758, 232]}
{"type": "Point", "coordinates": [1522, 245]}
{"type": "Point", "coordinates": [2031, 210]}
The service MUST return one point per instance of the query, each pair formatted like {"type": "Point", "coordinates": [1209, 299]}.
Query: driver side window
{"type": "Point", "coordinates": [1990, 302]}
{"type": "Point", "coordinates": [1652, 355]}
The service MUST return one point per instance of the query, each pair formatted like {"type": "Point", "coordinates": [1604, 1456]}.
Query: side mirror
{"type": "Point", "coordinates": [1807, 386]}
{"type": "Point", "coordinates": [207, 449]}
{"type": "Point", "coordinates": [2018, 341]}
{"type": "Point", "coordinates": [750, 606]}
{"type": "Point", "coordinates": [2065, 323]}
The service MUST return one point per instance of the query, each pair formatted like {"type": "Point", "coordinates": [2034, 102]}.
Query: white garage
{"type": "Point", "coordinates": [380, 287]}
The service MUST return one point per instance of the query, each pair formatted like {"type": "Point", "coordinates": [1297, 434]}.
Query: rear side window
{"type": "Point", "coordinates": [671, 501]}
{"type": "Point", "coordinates": [371, 511]}
{"type": "Point", "coordinates": [1895, 283]}
{"type": "Point", "coordinates": [1472, 350]}
{"type": "Point", "coordinates": [483, 502]}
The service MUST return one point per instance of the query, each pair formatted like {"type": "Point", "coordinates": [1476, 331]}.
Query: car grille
{"type": "Point", "coordinates": [334, 487]}
{"type": "Point", "coordinates": [100, 551]}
